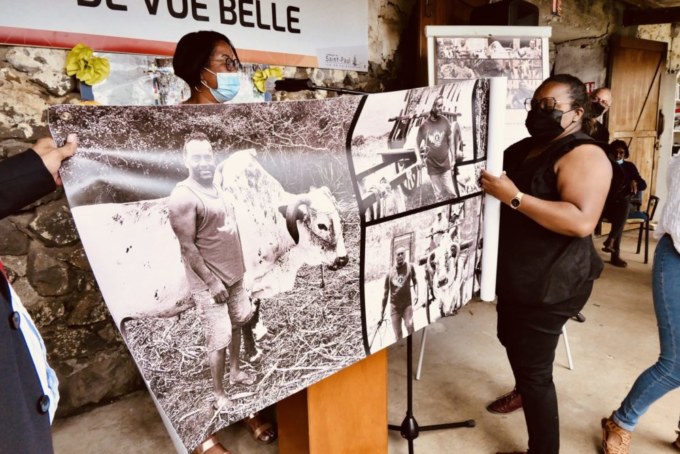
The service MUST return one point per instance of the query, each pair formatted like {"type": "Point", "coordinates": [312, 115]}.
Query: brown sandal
{"type": "Point", "coordinates": [211, 446]}
{"type": "Point", "coordinates": [259, 429]}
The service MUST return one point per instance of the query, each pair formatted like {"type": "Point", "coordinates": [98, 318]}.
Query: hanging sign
{"type": "Point", "coordinates": [311, 33]}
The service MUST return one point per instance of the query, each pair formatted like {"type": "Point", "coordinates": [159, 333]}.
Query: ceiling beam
{"type": "Point", "coordinates": [635, 16]}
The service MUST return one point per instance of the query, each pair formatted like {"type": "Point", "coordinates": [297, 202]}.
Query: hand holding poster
{"type": "Point", "coordinates": [194, 217]}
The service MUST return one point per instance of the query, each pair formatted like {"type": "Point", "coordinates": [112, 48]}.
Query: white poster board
{"type": "Point", "coordinates": [468, 52]}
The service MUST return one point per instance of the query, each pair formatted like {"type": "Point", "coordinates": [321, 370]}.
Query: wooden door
{"type": "Point", "coordinates": [635, 67]}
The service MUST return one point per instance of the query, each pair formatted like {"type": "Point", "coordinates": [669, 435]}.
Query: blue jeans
{"type": "Point", "coordinates": [664, 376]}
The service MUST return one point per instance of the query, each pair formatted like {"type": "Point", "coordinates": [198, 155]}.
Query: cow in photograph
{"type": "Point", "coordinates": [445, 272]}
{"type": "Point", "coordinates": [280, 232]}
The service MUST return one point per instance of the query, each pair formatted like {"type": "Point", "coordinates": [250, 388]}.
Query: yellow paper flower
{"type": "Point", "coordinates": [87, 68]}
{"type": "Point", "coordinates": [262, 75]}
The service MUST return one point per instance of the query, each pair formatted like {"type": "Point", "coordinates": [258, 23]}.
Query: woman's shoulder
{"type": "Point", "coordinates": [594, 147]}
{"type": "Point", "coordinates": [586, 156]}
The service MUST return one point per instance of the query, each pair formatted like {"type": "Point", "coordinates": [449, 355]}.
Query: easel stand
{"type": "Point", "coordinates": [409, 428]}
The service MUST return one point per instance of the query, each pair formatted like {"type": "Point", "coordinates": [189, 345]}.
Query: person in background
{"type": "Point", "coordinates": [664, 375]}
{"type": "Point", "coordinates": [208, 62]}
{"type": "Point", "coordinates": [553, 188]}
{"type": "Point", "coordinates": [617, 206]}
{"type": "Point", "coordinates": [29, 395]}
{"type": "Point", "coordinates": [600, 102]}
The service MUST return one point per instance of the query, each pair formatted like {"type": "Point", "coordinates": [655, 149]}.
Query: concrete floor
{"type": "Point", "coordinates": [465, 368]}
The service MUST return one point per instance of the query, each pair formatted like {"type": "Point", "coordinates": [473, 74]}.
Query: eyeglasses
{"type": "Point", "coordinates": [231, 64]}
{"type": "Point", "coordinates": [545, 104]}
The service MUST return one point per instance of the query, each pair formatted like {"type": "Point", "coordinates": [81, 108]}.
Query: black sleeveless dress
{"type": "Point", "coordinates": [537, 265]}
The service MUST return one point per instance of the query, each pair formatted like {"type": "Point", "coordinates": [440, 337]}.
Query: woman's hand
{"type": "Point", "coordinates": [501, 187]}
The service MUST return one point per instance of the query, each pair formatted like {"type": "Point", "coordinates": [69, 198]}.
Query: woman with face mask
{"type": "Point", "coordinates": [553, 188]}
{"type": "Point", "coordinates": [208, 62]}
{"type": "Point", "coordinates": [616, 209]}
{"type": "Point", "coordinates": [600, 102]}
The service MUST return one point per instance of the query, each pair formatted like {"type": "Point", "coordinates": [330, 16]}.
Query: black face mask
{"type": "Point", "coordinates": [544, 125]}
{"type": "Point", "coordinates": [597, 109]}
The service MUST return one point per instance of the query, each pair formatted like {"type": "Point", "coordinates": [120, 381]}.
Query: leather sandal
{"type": "Point", "coordinates": [262, 431]}
{"type": "Point", "coordinates": [211, 446]}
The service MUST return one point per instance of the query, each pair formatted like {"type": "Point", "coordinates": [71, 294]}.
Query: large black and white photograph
{"type": "Point", "coordinates": [518, 59]}
{"type": "Point", "coordinates": [520, 54]}
{"type": "Point", "coordinates": [225, 240]}
{"type": "Point", "coordinates": [422, 267]}
{"type": "Point", "coordinates": [412, 149]}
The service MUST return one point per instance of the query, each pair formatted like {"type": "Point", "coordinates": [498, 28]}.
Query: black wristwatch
{"type": "Point", "coordinates": [516, 201]}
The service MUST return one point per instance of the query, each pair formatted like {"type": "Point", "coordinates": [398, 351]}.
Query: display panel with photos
{"type": "Point", "coordinates": [518, 53]}
{"type": "Point", "coordinates": [288, 179]}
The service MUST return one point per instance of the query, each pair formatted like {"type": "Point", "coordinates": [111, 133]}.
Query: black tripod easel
{"type": "Point", "coordinates": [409, 428]}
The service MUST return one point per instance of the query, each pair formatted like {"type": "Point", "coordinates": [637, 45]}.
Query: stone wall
{"type": "Point", "coordinates": [580, 37]}
{"type": "Point", "coordinates": [580, 40]}
{"type": "Point", "coordinates": [40, 246]}
{"type": "Point", "coordinates": [41, 250]}
{"type": "Point", "coordinates": [667, 33]}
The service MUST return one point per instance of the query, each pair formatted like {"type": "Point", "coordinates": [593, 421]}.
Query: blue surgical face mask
{"type": "Point", "coordinates": [620, 161]}
{"type": "Point", "coordinates": [228, 85]}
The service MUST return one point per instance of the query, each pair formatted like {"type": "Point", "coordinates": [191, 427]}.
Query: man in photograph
{"type": "Point", "coordinates": [210, 245]}
{"type": "Point", "coordinates": [531, 52]}
{"type": "Point", "coordinates": [435, 143]}
{"type": "Point", "coordinates": [398, 291]}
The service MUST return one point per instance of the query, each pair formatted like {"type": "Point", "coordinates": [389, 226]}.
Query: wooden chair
{"type": "Point", "coordinates": [642, 219]}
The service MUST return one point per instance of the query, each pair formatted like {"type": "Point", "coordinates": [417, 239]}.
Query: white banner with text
{"type": "Point", "coordinates": [311, 33]}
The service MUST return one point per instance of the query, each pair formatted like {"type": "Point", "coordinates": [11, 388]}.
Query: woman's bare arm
{"type": "Point", "coordinates": [583, 179]}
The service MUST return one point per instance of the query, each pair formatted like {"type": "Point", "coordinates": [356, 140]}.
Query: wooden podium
{"type": "Point", "coordinates": [346, 412]}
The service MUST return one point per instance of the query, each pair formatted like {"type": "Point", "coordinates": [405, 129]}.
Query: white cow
{"type": "Point", "coordinates": [135, 254]}
{"type": "Point", "coordinates": [444, 272]}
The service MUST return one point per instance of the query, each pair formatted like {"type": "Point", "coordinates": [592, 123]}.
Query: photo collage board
{"type": "Point", "coordinates": [299, 210]}
{"type": "Point", "coordinates": [520, 54]}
